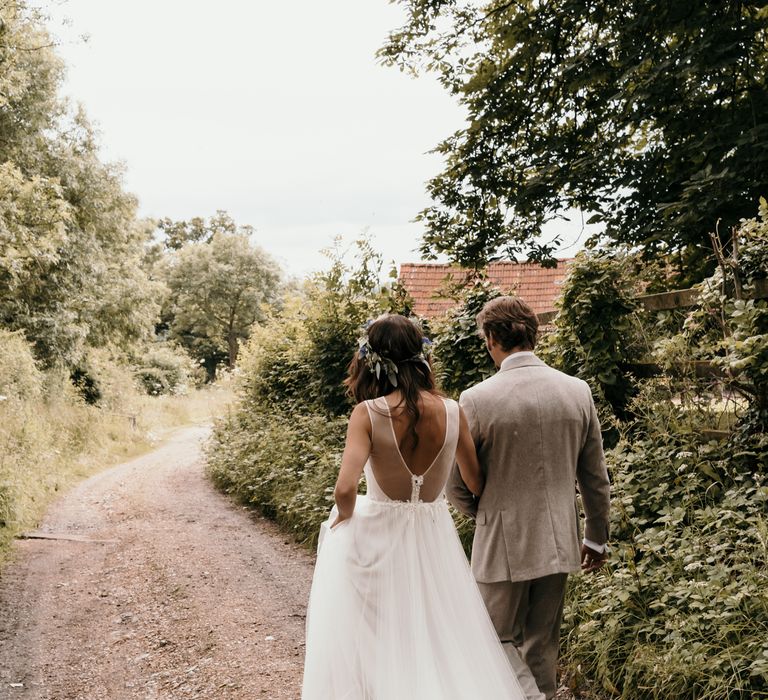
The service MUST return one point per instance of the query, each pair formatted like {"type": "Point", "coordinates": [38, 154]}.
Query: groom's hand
{"type": "Point", "coordinates": [592, 560]}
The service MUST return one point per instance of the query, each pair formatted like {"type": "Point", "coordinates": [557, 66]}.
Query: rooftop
{"type": "Point", "coordinates": [538, 286]}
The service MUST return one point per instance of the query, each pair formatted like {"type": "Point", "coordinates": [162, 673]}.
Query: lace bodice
{"type": "Point", "coordinates": [388, 475]}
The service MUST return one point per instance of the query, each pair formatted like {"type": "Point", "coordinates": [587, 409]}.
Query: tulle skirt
{"type": "Point", "coordinates": [395, 614]}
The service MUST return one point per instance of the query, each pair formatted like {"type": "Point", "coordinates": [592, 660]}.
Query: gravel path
{"type": "Point", "coordinates": [184, 596]}
{"type": "Point", "coordinates": [147, 583]}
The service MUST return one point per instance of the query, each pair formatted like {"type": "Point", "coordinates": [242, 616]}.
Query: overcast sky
{"type": "Point", "coordinates": [275, 111]}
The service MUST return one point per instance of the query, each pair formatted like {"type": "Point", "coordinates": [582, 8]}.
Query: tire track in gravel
{"type": "Point", "coordinates": [193, 598]}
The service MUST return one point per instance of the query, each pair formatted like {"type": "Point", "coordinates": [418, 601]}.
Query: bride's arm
{"type": "Point", "coordinates": [466, 456]}
{"type": "Point", "coordinates": [356, 451]}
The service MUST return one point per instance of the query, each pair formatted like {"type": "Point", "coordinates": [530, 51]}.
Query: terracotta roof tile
{"type": "Point", "coordinates": [537, 285]}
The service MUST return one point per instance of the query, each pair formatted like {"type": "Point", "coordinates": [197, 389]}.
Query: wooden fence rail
{"type": "Point", "coordinates": [674, 299]}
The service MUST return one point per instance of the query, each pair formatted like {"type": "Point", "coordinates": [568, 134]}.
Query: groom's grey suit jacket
{"type": "Point", "coordinates": [537, 434]}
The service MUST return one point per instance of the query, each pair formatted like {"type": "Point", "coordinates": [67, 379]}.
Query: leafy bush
{"type": "Point", "coordinates": [298, 357]}
{"type": "Point", "coordinates": [276, 365]}
{"type": "Point", "coordinates": [19, 376]}
{"type": "Point", "coordinates": [684, 611]}
{"type": "Point", "coordinates": [596, 330]}
{"type": "Point", "coordinates": [164, 371]}
{"type": "Point", "coordinates": [461, 357]}
{"type": "Point", "coordinates": [283, 465]}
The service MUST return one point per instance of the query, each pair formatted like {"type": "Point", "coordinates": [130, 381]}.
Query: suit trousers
{"type": "Point", "coordinates": [527, 616]}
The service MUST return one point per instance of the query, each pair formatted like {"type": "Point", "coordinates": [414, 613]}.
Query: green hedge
{"type": "Point", "coordinates": [284, 466]}
{"type": "Point", "coordinates": [681, 610]}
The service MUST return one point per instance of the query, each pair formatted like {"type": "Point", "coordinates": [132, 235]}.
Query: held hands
{"type": "Point", "coordinates": [592, 560]}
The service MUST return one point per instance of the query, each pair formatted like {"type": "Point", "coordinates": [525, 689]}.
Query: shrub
{"type": "Point", "coordinates": [276, 365]}
{"type": "Point", "coordinates": [19, 376]}
{"type": "Point", "coordinates": [461, 359]}
{"type": "Point", "coordinates": [164, 370]}
{"type": "Point", "coordinates": [283, 465]}
{"type": "Point", "coordinates": [684, 611]}
{"type": "Point", "coordinates": [298, 358]}
{"type": "Point", "coordinates": [596, 328]}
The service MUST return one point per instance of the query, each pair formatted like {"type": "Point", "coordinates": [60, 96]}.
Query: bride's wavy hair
{"type": "Point", "coordinates": [398, 340]}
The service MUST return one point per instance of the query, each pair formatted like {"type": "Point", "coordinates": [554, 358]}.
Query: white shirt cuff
{"type": "Point", "coordinates": [602, 548]}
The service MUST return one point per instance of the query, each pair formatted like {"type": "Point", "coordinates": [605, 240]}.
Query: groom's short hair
{"type": "Point", "coordinates": [511, 321]}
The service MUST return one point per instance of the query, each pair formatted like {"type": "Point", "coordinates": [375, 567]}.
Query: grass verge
{"type": "Point", "coordinates": [49, 444]}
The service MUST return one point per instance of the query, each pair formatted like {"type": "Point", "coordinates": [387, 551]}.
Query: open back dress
{"type": "Point", "coordinates": [394, 612]}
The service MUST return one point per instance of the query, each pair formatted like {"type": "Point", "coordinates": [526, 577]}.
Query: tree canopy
{"type": "Point", "coordinates": [217, 291]}
{"type": "Point", "coordinates": [71, 245]}
{"type": "Point", "coordinates": [176, 234]}
{"type": "Point", "coordinates": [650, 116]}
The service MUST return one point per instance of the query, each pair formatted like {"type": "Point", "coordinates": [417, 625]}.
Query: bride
{"type": "Point", "coordinates": [394, 613]}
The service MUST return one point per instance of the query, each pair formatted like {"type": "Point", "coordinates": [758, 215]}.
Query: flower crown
{"type": "Point", "coordinates": [378, 363]}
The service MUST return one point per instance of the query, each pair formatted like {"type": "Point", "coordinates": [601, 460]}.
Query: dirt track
{"type": "Point", "coordinates": [154, 585]}
{"type": "Point", "coordinates": [188, 597]}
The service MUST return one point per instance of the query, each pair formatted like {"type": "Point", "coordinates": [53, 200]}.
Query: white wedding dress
{"type": "Point", "coordinates": [394, 612]}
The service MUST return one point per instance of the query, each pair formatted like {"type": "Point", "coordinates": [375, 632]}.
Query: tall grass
{"type": "Point", "coordinates": [50, 438]}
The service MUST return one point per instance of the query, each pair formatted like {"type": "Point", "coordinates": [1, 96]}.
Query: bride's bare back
{"type": "Point", "coordinates": [404, 471]}
{"type": "Point", "coordinates": [375, 436]}
{"type": "Point", "coordinates": [430, 429]}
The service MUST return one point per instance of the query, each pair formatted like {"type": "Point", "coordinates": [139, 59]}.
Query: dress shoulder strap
{"type": "Point", "coordinates": [378, 412]}
{"type": "Point", "coordinates": [452, 423]}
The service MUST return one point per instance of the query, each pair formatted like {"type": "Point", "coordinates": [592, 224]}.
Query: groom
{"type": "Point", "coordinates": [537, 435]}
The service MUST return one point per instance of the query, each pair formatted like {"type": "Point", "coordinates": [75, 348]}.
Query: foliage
{"type": "Point", "coordinates": [218, 290]}
{"type": "Point", "coordinates": [341, 299]}
{"type": "Point", "coordinates": [745, 344]}
{"type": "Point", "coordinates": [276, 369]}
{"type": "Point", "coordinates": [103, 377]}
{"type": "Point", "coordinates": [70, 243]}
{"type": "Point", "coordinates": [177, 234]}
{"type": "Point", "coordinates": [595, 106]}
{"type": "Point", "coordinates": [753, 257]}
{"type": "Point", "coordinates": [20, 377]}
{"type": "Point", "coordinates": [164, 370]}
{"type": "Point", "coordinates": [284, 465]}
{"type": "Point", "coordinates": [298, 358]}
{"type": "Point", "coordinates": [461, 357]}
{"type": "Point", "coordinates": [684, 610]}
{"type": "Point", "coordinates": [77, 304]}
{"type": "Point", "coordinates": [596, 328]}
{"type": "Point", "coordinates": [399, 299]}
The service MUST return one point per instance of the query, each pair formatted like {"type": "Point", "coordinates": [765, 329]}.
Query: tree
{"type": "Point", "coordinates": [70, 241]}
{"type": "Point", "coordinates": [218, 290]}
{"type": "Point", "coordinates": [651, 116]}
{"type": "Point", "coordinates": [178, 233]}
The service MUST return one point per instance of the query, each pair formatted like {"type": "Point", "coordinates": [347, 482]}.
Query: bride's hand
{"type": "Point", "coordinates": [338, 521]}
